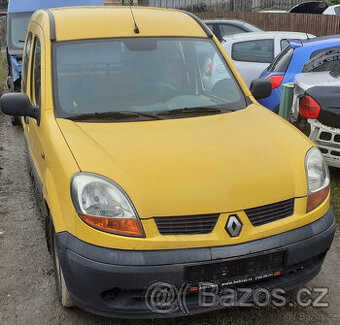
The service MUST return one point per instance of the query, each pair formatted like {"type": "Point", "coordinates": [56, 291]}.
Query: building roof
{"type": "Point", "coordinates": [16, 6]}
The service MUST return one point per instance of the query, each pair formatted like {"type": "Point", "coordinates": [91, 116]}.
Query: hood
{"type": "Point", "coordinates": [208, 164]}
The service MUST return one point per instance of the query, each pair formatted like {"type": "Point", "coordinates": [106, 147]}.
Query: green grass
{"type": "Point", "coordinates": [335, 194]}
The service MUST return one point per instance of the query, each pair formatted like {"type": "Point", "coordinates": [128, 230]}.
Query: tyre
{"type": "Point", "coordinates": [16, 120]}
{"type": "Point", "coordinates": [61, 287]}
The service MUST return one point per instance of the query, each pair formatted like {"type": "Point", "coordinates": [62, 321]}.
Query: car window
{"type": "Point", "coordinates": [284, 44]}
{"type": "Point", "coordinates": [337, 10]}
{"type": "Point", "coordinates": [211, 27]}
{"type": "Point", "coordinates": [26, 60]}
{"type": "Point", "coordinates": [282, 61]}
{"type": "Point", "coordinates": [36, 74]}
{"type": "Point", "coordinates": [252, 28]}
{"type": "Point", "coordinates": [227, 29]}
{"type": "Point", "coordinates": [18, 24]}
{"type": "Point", "coordinates": [323, 60]}
{"type": "Point", "coordinates": [261, 51]}
{"type": "Point", "coordinates": [144, 75]}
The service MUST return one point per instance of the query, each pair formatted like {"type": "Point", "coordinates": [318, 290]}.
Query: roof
{"type": "Point", "coordinates": [106, 22]}
{"type": "Point", "coordinates": [16, 6]}
{"type": "Point", "coordinates": [262, 35]}
{"type": "Point", "coordinates": [321, 41]}
{"type": "Point", "coordinates": [224, 21]}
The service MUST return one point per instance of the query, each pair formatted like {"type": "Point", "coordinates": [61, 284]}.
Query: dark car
{"type": "Point", "coordinates": [316, 111]}
{"type": "Point", "coordinates": [225, 27]}
{"type": "Point", "coordinates": [310, 7]}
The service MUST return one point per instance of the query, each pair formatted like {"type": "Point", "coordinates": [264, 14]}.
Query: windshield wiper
{"type": "Point", "coordinates": [192, 110]}
{"type": "Point", "coordinates": [119, 115]}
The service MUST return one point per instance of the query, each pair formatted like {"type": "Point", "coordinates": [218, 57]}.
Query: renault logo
{"type": "Point", "coordinates": [233, 226]}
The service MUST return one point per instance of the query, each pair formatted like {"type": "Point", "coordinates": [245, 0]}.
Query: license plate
{"type": "Point", "coordinates": [253, 268]}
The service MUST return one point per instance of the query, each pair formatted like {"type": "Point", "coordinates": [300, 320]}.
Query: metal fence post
{"type": "Point", "coordinates": [286, 100]}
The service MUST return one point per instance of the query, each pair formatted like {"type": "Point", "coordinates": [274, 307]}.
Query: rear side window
{"type": "Point", "coordinates": [284, 43]}
{"type": "Point", "coordinates": [26, 61]}
{"type": "Point", "coordinates": [282, 61]}
{"type": "Point", "coordinates": [230, 30]}
{"type": "Point", "coordinates": [261, 51]}
{"type": "Point", "coordinates": [325, 60]}
{"type": "Point", "coordinates": [337, 10]}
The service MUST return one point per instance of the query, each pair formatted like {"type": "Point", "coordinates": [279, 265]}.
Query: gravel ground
{"type": "Point", "coordinates": [27, 294]}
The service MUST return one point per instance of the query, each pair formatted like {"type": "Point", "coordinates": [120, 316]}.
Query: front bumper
{"type": "Point", "coordinates": [111, 282]}
{"type": "Point", "coordinates": [328, 140]}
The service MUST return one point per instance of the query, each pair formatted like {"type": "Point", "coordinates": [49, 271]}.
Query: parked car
{"type": "Point", "coordinates": [332, 10]}
{"type": "Point", "coordinates": [146, 178]}
{"type": "Point", "coordinates": [310, 7]}
{"type": "Point", "coordinates": [316, 111]}
{"type": "Point", "coordinates": [273, 11]}
{"type": "Point", "coordinates": [19, 15]}
{"type": "Point", "coordinates": [226, 27]}
{"type": "Point", "coordinates": [313, 55]}
{"type": "Point", "coordinates": [251, 53]}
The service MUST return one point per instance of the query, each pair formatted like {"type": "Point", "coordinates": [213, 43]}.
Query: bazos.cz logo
{"type": "Point", "coordinates": [166, 298]}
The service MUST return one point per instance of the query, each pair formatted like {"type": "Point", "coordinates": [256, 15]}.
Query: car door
{"type": "Point", "coordinates": [251, 57]}
{"type": "Point", "coordinates": [33, 89]}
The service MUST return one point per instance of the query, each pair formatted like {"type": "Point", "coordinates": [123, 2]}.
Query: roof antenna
{"type": "Point", "coordinates": [136, 30]}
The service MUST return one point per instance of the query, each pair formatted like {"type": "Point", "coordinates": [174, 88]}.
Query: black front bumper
{"type": "Point", "coordinates": [112, 282]}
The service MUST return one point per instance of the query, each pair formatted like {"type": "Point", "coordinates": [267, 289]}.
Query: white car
{"type": "Point", "coordinates": [252, 53]}
{"type": "Point", "coordinates": [332, 10]}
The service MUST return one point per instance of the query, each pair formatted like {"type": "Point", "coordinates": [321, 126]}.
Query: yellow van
{"type": "Point", "coordinates": [150, 171]}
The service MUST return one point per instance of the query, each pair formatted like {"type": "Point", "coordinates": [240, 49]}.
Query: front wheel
{"type": "Point", "coordinates": [61, 287]}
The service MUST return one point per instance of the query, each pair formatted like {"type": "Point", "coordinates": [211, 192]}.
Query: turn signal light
{"type": "Point", "coordinates": [309, 107]}
{"type": "Point", "coordinates": [315, 199]}
{"type": "Point", "coordinates": [120, 226]}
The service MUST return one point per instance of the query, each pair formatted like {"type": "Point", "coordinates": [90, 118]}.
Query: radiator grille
{"type": "Point", "coordinates": [269, 213]}
{"type": "Point", "coordinates": [187, 225]}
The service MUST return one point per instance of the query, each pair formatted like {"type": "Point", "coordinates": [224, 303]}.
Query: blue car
{"type": "Point", "coordinates": [312, 55]}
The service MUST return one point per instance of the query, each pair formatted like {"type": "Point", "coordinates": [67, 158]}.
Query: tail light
{"type": "Point", "coordinates": [210, 68]}
{"type": "Point", "coordinates": [276, 81]}
{"type": "Point", "coordinates": [309, 107]}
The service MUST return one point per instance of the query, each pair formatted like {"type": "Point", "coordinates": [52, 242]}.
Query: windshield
{"type": "Point", "coordinates": [282, 61]}
{"type": "Point", "coordinates": [18, 28]}
{"type": "Point", "coordinates": [252, 28]}
{"type": "Point", "coordinates": [145, 75]}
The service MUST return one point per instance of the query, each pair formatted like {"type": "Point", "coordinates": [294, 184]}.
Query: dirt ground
{"type": "Point", "coordinates": [27, 294]}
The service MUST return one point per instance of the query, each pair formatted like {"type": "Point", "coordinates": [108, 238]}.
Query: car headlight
{"type": "Point", "coordinates": [317, 178]}
{"type": "Point", "coordinates": [102, 204]}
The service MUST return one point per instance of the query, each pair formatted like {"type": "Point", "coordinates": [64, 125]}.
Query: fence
{"type": "Point", "coordinates": [231, 5]}
{"type": "Point", "coordinates": [318, 25]}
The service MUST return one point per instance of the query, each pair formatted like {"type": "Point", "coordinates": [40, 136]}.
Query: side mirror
{"type": "Point", "coordinates": [261, 88]}
{"type": "Point", "coordinates": [18, 104]}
